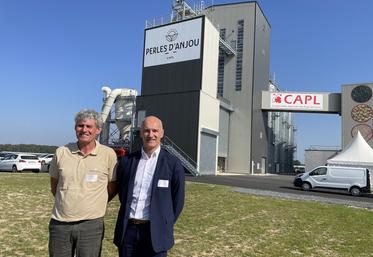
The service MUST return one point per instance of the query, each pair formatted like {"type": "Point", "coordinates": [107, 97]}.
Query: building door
{"type": "Point", "coordinates": [207, 160]}
{"type": "Point", "coordinates": [264, 164]}
{"type": "Point", "coordinates": [221, 164]}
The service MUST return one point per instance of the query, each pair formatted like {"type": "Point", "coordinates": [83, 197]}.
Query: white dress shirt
{"type": "Point", "coordinates": [143, 185]}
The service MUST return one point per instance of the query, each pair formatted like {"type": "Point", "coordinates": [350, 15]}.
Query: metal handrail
{"type": "Point", "coordinates": [168, 141]}
{"type": "Point", "coordinates": [226, 47]}
{"type": "Point", "coordinates": [181, 10]}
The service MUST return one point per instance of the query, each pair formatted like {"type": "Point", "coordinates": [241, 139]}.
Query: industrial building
{"type": "Point", "coordinates": [281, 139]}
{"type": "Point", "coordinates": [206, 75]}
{"type": "Point", "coordinates": [203, 75]}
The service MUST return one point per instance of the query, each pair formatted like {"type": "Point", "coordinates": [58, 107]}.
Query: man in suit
{"type": "Point", "coordinates": [151, 189]}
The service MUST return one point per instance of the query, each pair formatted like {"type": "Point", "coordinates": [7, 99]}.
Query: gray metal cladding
{"type": "Point", "coordinates": [172, 78]}
{"type": "Point", "coordinates": [179, 113]}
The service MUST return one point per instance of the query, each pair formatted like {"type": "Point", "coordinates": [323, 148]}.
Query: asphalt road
{"type": "Point", "coordinates": [282, 186]}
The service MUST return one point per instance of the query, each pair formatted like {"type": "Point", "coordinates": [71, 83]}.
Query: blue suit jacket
{"type": "Point", "coordinates": [166, 202]}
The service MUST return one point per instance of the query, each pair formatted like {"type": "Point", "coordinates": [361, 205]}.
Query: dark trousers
{"type": "Point", "coordinates": [137, 242]}
{"type": "Point", "coordinates": [82, 238]}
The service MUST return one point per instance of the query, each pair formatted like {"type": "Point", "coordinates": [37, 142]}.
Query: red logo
{"type": "Point", "coordinates": [277, 98]}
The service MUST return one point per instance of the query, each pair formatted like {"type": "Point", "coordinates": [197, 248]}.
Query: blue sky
{"type": "Point", "coordinates": [56, 55]}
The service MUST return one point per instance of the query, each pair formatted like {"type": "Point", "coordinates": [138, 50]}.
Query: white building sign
{"type": "Point", "coordinates": [173, 43]}
{"type": "Point", "coordinates": [283, 100]}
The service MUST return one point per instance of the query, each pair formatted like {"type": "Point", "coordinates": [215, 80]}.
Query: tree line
{"type": "Point", "coordinates": [28, 148]}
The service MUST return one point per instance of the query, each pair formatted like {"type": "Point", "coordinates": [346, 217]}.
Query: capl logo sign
{"type": "Point", "coordinates": [296, 101]}
{"type": "Point", "coordinates": [173, 43]}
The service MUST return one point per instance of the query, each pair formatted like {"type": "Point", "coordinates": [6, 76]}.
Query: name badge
{"type": "Point", "coordinates": [162, 183]}
{"type": "Point", "coordinates": [91, 177]}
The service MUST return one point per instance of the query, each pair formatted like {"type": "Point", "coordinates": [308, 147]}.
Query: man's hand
{"type": "Point", "coordinates": [112, 189]}
{"type": "Point", "coordinates": [54, 183]}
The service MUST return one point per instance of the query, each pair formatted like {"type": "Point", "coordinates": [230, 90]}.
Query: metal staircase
{"type": "Point", "coordinates": [186, 161]}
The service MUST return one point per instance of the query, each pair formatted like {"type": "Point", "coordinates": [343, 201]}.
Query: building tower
{"type": "Point", "coordinates": [241, 79]}
{"type": "Point", "coordinates": [203, 74]}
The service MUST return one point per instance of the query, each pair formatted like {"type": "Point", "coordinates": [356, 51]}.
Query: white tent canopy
{"type": "Point", "coordinates": [356, 153]}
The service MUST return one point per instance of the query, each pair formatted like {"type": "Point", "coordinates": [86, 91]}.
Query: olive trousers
{"type": "Point", "coordinates": [78, 238]}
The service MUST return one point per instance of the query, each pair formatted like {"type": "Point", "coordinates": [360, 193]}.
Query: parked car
{"type": "Point", "coordinates": [20, 162]}
{"type": "Point", "coordinates": [3, 155]}
{"type": "Point", "coordinates": [355, 180]}
{"type": "Point", "coordinates": [46, 159]}
{"type": "Point", "coordinates": [299, 169]}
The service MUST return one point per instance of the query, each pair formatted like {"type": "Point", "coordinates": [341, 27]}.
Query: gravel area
{"type": "Point", "coordinates": [349, 203]}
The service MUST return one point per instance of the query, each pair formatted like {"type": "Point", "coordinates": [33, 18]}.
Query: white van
{"type": "Point", "coordinates": [355, 180]}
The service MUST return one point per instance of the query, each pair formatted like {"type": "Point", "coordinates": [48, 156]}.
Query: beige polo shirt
{"type": "Point", "coordinates": [82, 182]}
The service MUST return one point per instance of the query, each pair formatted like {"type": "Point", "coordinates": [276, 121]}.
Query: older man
{"type": "Point", "coordinates": [151, 191]}
{"type": "Point", "coordinates": [82, 181]}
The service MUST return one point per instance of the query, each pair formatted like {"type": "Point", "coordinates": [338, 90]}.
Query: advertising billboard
{"type": "Point", "coordinates": [173, 43]}
{"type": "Point", "coordinates": [357, 112]}
{"type": "Point", "coordinates": [298, 101]}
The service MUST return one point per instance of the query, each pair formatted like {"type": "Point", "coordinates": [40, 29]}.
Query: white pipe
{"type": "Point", "coordinates": [110, 96]}
{"type": "Point", "coordinates": [106, 91]}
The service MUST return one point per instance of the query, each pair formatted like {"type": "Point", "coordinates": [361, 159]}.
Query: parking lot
{"type": "Point", "coordinates": [282, 186]}
{"type": "Point", "coordinates": [25, 162]}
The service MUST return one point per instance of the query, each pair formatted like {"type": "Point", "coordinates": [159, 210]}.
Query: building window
{"type": "Point", "coordinates": [221, 67]}
{"type": "Point", "coordinates": [239, 51]}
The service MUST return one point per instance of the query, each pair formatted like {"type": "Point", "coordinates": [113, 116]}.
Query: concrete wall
{"type": "Point", "coordinates": [209, 104]}
{"type": "Point", "coordinates": [209, 112]}
{"type": "Point", "coordinates": [210, 59]}
{"type": "Point", "coordinates": [247, 122]}
{"type": "Point", "coordinates": [260, 83]}
{"type": "Point", "coordinates": [317, 157]}
{"type": "Point", "coordinates": [223, 132]}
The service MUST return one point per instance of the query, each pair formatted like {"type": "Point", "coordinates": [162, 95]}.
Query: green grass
{"type": "Point", "coordinates": [215, 222]}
